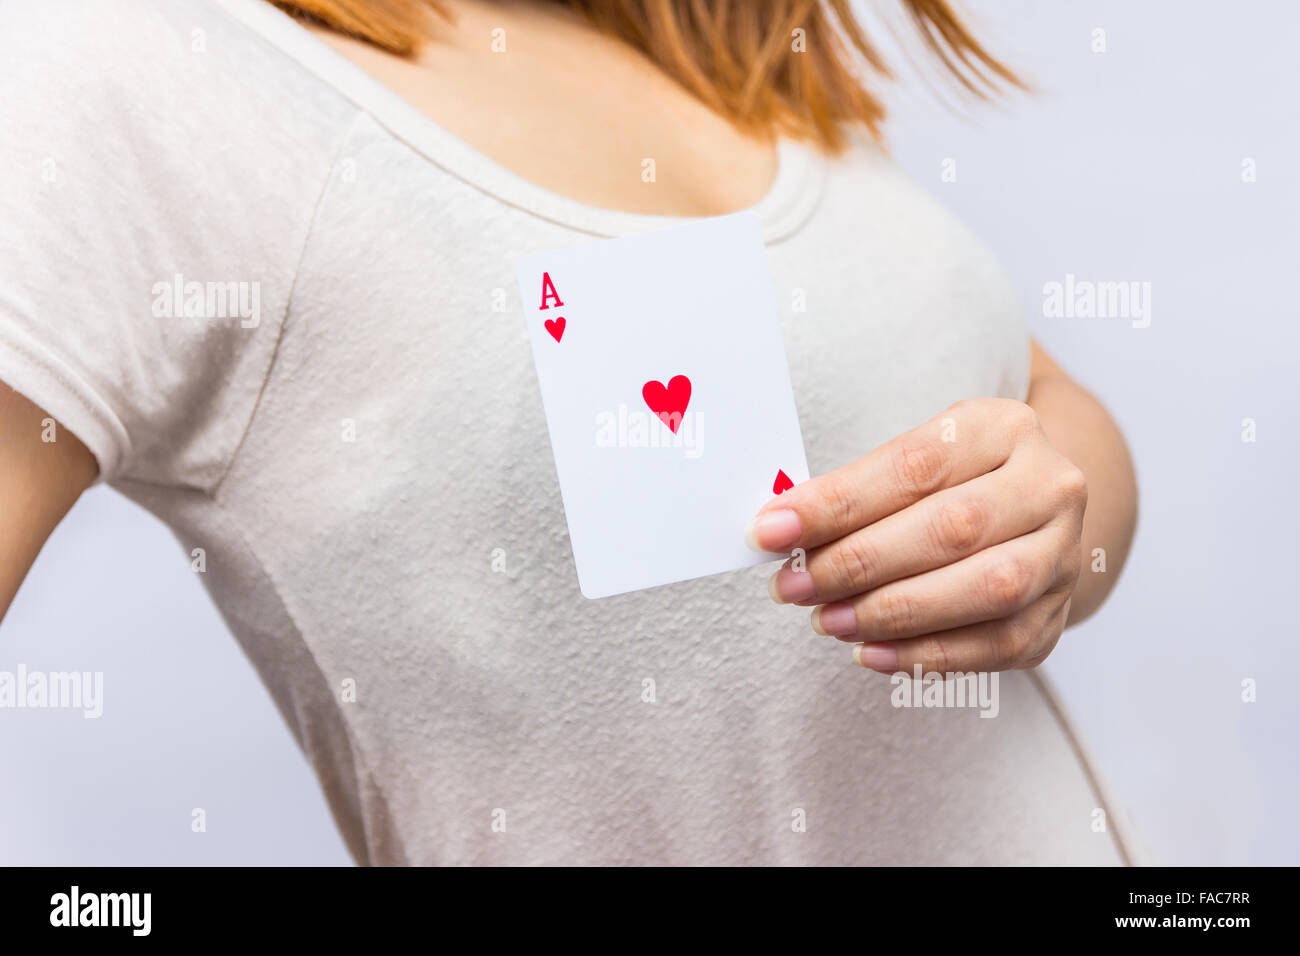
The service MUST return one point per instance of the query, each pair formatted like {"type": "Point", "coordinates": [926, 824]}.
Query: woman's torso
{"type": "Point", "coordinates": [385, 535]}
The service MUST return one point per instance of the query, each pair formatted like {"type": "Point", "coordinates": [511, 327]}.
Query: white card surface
{"type": "Point", "coordinates": [658, 484]}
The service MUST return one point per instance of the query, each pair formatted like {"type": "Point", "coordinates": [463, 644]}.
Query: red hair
{"type": "Point", "coordinates": [741, 57]}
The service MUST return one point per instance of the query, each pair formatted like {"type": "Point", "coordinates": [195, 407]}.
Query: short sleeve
{"type": "Point", "coordinates": [159, 169]}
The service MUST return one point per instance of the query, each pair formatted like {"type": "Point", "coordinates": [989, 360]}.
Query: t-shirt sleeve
{"type": "Point", "coordinates": [159, 168]}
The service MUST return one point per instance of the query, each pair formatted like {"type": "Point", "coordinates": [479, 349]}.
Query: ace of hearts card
{"type": "Point", "coordinates": [667, 396]}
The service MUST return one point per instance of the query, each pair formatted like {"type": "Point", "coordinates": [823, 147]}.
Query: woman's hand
{"type": "Point", "coordinates": [956, 546]}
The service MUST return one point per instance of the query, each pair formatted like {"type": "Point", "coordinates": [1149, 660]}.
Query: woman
{"type": "Point", "coordinates": [351, 449]}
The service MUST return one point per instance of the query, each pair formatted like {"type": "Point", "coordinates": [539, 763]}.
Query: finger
{"type": "Point", "coordinates": [995, 583]}
{"type": "Point", "coordinates": [936, 531]}
{"type": "Point", "coordinates": [965, 441]}
{"type": "Point", "coordinates": [1014, 643]}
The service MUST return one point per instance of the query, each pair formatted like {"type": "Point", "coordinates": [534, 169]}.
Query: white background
{"type": "Point", "coordinates": [1126, 165]}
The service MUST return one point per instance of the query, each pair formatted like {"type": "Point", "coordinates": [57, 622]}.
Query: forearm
{"type": "Point", "coordinates": [1081, 429]}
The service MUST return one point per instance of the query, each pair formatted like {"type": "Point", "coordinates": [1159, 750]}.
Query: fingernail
{"type": "Point", "coordinates": [789, 585]}
{"type": "Point", "coordinates": [876, 657]}
{"type": "Point", "coordinates": [773, 530]}
{"type": "Point", "coordinates": [835, 619]}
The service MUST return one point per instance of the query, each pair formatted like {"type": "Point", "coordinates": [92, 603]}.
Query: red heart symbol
{"type": "Point", "coordinates": [668, 403]}
{"type": "Point", "coordinates": [782, 483]}
{"type": "Point", "coordinates": [555, 327]}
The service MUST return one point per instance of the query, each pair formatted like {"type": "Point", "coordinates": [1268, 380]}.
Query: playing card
{"type": "Point", "coordinates": [667, 398]}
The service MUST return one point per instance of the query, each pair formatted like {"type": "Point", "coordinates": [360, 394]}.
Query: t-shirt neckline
{"type": "Point", "coordinates": [788, 203]}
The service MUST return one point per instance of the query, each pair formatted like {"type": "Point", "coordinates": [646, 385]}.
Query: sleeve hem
{"type": "Point", "coordinates": [30, 369]}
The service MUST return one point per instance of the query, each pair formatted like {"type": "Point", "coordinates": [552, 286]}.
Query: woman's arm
{"type": "Point", "coordinates": [40, 479]}
{"type": "Point", "coordinates": [1083, 431]}
{"type": "Point", "coordinates": [959, 545]}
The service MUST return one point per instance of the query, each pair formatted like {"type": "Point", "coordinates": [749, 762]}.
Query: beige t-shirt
{"type": "Point", "coordinates": [278, 305]}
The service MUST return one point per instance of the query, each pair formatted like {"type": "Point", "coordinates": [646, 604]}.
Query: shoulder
{"type": "Point", "coordinates": [146, 67]}
{"type": "Point", "coordinates": [164, 119]}
{"type": "Point", "coordinates": [151, 145]}
{"type": "Point", "coordinates": [912, 218]}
